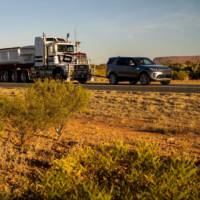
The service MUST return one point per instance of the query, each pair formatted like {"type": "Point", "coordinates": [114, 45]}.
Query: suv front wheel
{"type": "Point", "coordinates": [144, 79]}
{"type": "Point", "coordinates": [165, 82]}
{"type": "Point", "coordinates": [113, 79]}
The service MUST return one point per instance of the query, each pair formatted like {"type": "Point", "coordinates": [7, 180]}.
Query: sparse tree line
{"type": "Point", "coordinates": [185, 71]}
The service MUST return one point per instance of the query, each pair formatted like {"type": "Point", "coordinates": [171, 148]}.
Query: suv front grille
{"type": "Point", "coordinates": [164, 76]}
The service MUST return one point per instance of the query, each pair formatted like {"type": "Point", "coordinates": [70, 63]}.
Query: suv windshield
{"type": "Point", "coordinates": [65, 48]}
{"type": "Point", "coordinates": [144, 61]}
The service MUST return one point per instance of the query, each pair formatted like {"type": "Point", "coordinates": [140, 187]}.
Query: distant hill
{"type": "Point", "coordinates": [177, 59]}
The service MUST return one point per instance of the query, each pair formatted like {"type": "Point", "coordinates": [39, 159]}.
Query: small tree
{"type": "Point", "coordinates": [58, 101]}
{"type": "Point", "coordinates": [182, 75]}
{"type": "Point", "coordinates": [46, 104]}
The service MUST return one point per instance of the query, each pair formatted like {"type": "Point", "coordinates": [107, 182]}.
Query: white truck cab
{"type": "Point", "coordinates": [53, 51]}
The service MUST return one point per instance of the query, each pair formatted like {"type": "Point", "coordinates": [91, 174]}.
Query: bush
{"type": "Point", "coordinates": [114, 172]}
{"type": "Point", "coordinates": [195, 71]}
{"type": "Point", "coordinates": [44, 105]}
{"type": "Point", "coordinates": [180, 75]}
{"type": "Point", "coordinates": [59, 101]}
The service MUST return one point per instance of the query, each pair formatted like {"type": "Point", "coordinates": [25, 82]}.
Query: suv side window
{"type": "Point", "coordinates": [147, 61]}
{"type": "Point", "coordinates": [123, 61]}
{"type": "Point", "coordinates": [111, 61]}
{"type": "Point", "coordinates": [126, 61]}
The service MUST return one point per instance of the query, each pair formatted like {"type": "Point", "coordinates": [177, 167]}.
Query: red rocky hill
{"type": "Point", "coordinates": [177, 59]}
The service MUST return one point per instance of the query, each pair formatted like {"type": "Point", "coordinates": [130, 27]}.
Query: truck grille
{"type": "Point", "coordinates": [81, 67]}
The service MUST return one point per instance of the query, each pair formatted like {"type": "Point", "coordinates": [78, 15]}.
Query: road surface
{"type": "Point", "coordinates": [126, 88]}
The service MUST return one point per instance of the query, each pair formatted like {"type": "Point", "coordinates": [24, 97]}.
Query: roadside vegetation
{"type": "Point", "coordinates": [185, 71]}
{"type": "Point", "coordinates": [57, 141]}
{"type": "Point", "coordinates": [114, 172]}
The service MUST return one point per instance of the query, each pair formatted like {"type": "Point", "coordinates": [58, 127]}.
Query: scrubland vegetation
{"type": "Point", "coordinates": [157, 112]}
{"type": "Point", "coordinates": [58, 141]}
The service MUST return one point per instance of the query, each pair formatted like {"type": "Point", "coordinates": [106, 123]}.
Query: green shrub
{"type": "Point", "coordinates": [180, 75]}
{"type": "Point", "coordinates": [20, 117]}
{"type": "Point", "coordinates": [114, 172]}
{"type": "Point", "coordinates": [59, 101]}
{"type": "Point", "coordinates": [46, 104]}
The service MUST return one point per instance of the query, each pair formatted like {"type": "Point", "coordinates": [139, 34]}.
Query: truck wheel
{"type": "Point", "coordinates": [24, 77]}
{"type": "Point", "coordinates": [58, 75]}
{"type": "Point", "coordinates": [144, 79]}
{"type": "Point", "coordinates": [113, 79]}
{"type": "Point", "coordinates": [14, 76]}
{"type": "Point", "coordinates": [5, 76]}
{"type": "Point", "coordinates": [82, 81]}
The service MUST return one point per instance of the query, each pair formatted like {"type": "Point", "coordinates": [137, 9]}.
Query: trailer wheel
{"type": "Point", "coordinates": [24, 77]}
{"type": "Point", "coordinates": [14, 76]}
{"type": "Point", "coordinates": [5, 76]}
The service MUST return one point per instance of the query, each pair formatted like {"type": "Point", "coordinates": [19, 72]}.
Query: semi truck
{"type": "Point", "coordinates": [49, 57]}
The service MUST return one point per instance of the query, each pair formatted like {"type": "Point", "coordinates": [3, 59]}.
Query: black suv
{"type": "Point", "coordinates": [136, 69]}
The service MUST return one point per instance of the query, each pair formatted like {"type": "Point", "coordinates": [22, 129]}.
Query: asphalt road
{"type": "Point", "coordinates": [126, 88]}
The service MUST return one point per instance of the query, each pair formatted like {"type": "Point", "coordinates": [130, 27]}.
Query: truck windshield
{"type": "Point", "coordinates": [65, 48]}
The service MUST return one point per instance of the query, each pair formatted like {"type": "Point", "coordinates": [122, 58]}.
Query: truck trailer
{"type": "Point", "coordinates": [49, 57]}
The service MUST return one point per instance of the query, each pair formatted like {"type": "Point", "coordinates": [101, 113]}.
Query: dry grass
{"type": "Point", "coordinates": [169, 120]}
{"type": "Point", "coordinates": [136, 116]}
{"type": "Point", "coordinates": [187, 82]}
{"type": "Point", "coordinates": [163, 113]}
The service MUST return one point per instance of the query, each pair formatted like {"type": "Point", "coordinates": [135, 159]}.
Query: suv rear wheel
{"type": "Point", "coordinates": [144, 79]}
{"type": "Point", "coordinates": [133, 82]}
{"type": "Point", "coordinates": [113, 79]}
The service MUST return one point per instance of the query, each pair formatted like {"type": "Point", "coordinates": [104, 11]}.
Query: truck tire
{"type": "Point", "coordinates": [82, 81]}
{"type": "Point", "coordinates": [5, 76]}
{"type": "Point", "coordinates": [14, 76]}
{"type": "Point", "coordinates": [23, 77]}
{"type": "Point", "coordinates": [58, 75]}
{"type": "Point", "coordinates": [144, 79]}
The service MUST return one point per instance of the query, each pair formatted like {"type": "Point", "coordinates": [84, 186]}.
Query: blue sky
{"type": "Point", "coordinates": [107, 27]}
